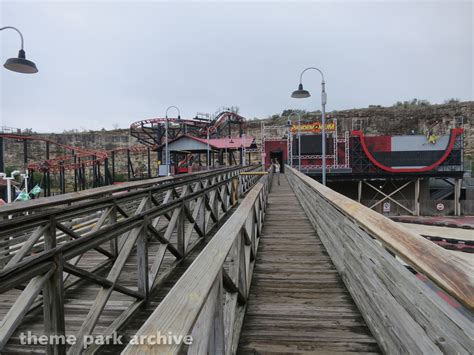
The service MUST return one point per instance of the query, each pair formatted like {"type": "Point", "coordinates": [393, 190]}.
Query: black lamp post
{"type": "Point", "coordinates": [301, 94]}
{"type": "Point", "coordinates": [20, 64]}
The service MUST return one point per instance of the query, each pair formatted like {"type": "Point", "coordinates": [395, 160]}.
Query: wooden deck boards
{"type": "Point", "coordinates": [298, 302]}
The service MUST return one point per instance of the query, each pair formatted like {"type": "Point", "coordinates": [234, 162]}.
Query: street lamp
{"type": "Point", "coordinates": [20, 64]}
{"type": "Point", "coordinates": [299, 139]}
{"type": "Point", "coordinates": [288, 143]}
{"type": "Point", "coordinates": [167, 153]}
{"type": "Point", "coordinates": [301, 94]}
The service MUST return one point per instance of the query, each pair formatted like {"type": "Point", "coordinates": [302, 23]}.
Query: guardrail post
{"type": "Point", "coordinates": [417, 197]}
{"type": "Point", "coordinates": [180, 231]}
{"type": "Point", "coordinates": [142, 260]}
{"type": "Point", "coordinates": [114, 246]}
{"type": "Point", "coordinates": [234, 196]}
{"type": "Point", "coordinates": [201, 216]}
{"type": "Point", "coordinates": [457, 197]}
{"type": "Point", "coordinates": [53, 301]}
{"type": "Point", "coordinates": [217, 338]}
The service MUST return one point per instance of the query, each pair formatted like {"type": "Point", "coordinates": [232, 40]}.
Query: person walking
{"type": "Point", "coordinates": [276, 169]}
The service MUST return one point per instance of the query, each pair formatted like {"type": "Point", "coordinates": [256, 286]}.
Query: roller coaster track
{"type": "Point", "coordinates": [80, 157]}
{"type": "Point", "coordinates": [152, 131]}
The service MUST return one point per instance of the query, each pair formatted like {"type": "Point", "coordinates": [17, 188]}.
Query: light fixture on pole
{"type": "Point", "coordinates": [301, 94]}
{"type": "Point", "coordinates": [167, 153]}
{"type": "Point", "coordinates": [19, 64]}
{"type": "Point", "coordinates": [288, 142]}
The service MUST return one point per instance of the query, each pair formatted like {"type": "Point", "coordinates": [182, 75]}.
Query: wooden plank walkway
{"type": "Point", "coordinates": [298, 302]}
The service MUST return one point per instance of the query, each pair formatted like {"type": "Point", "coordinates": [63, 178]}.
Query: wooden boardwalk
{"type": "Point", "coordinates": [298, 302]}
{"type": "Point", "coordinates": [252, 277]}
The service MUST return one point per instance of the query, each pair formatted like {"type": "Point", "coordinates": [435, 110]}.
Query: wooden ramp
{"type": "Point", "coordinates": [298, 302]}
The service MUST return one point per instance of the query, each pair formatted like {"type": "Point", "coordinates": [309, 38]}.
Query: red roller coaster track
{"type": "Point", "coordinates": [86, 157]}
{"type": "Point", "coordinates": [142, 130]}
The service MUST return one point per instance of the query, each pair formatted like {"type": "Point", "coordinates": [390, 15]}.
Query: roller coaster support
{"type": "Point", "coordinates": [3, 194]}
{"type": "Point", "coordinates": [148, 151]}
{"type": "Point", "coordinates": [113, 167]}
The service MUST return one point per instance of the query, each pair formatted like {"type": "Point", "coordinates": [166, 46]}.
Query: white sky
{"type": "Point", "coordinates": [115, 62]}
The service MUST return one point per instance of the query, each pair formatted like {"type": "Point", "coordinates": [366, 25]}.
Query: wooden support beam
{"type": "Point", "coordinates": [15, 315]}
{"type": "Point", "coordinates": [417, 197]}
{"type": "Point", "coordinates": [75, 235]}
{"type": "Point", "coordinates": [142, 261]}
{"type": "Point", "coordinates": [230, 286]}
{"type": "Point", "coordinates": [102, 281]}
{"type": "Point", "coordinates": [53, 307]}
{"type": "Point", "coordinates": [389, 196]}
{"type": "Point", "coordinates": [26, 247]}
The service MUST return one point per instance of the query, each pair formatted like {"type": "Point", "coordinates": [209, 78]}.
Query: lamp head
{"type": "Point", "coordinates": [300, 93]}
{"type": "Point", "coordinates": [21, 64]}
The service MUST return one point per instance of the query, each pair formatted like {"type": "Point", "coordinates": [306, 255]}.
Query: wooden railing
{"type": "Point", "coordinates": [67, 199]}
{"type": "Point", "coordinates": [41, 252]}
{"type": "Point", "coordinates": [208, 302]}
{"type": "Point", "coordinates": [403, 313]}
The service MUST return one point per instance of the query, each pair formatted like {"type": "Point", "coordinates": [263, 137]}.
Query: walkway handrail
{"type": "Point", "coordinates": [43, 250]}
{"type": "Point", "coordinates": [94, 193]}
{"type": "Point", "coordinates": [452, 273]}
{"type": "Point", "coordinates": [404, 314]}
{"type": "Point", "coordinates": [194, 306]}
{"type": "Point", "coordinates": [92, 200]}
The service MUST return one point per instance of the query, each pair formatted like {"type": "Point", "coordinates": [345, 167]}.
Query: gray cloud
{"type": "Point", "coordinates": [105, 63]}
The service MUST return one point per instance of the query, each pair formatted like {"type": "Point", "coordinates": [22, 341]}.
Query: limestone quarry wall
{"type": "Point", "coordinates": [374, 120]}
{"type": "Point", "coordinates": [377, 120]}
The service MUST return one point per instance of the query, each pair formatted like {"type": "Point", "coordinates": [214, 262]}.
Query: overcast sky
{"type": "Point", "coordinates": [114, 62]}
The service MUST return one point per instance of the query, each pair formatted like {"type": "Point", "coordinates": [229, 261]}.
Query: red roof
{"type": "Point", "coordinates": [222, 143]}
{"type": "Point", "coordinates": [229, 143]}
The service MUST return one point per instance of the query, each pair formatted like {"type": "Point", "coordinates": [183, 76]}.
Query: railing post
{"type": "Point", "coordinates": [180, 231]}
{"type": "Point", "coordinates": [201, 217]}
{"type": "Point", "coordinates": [417, 197]}
{"type": "Point", "coordinates": [142, 260]}
{"type": "Point", "coordinates": [457, 197]}
{"type": "Point", "coordinates": [114, 245]}
{"type": "Point", "coordinates": [217, 339]}
{"type": "Point", "coordinates": [235, 190]}
{"type": "Point", "coordinates": [53, 292]}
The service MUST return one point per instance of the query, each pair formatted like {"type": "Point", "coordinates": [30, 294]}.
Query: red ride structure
{"type": "Point", "coordinates": [152, 132]}
{"type": "Point", "coordinates": [90, 167]}
{"type": "Point", "coordinates": [224, 123]}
